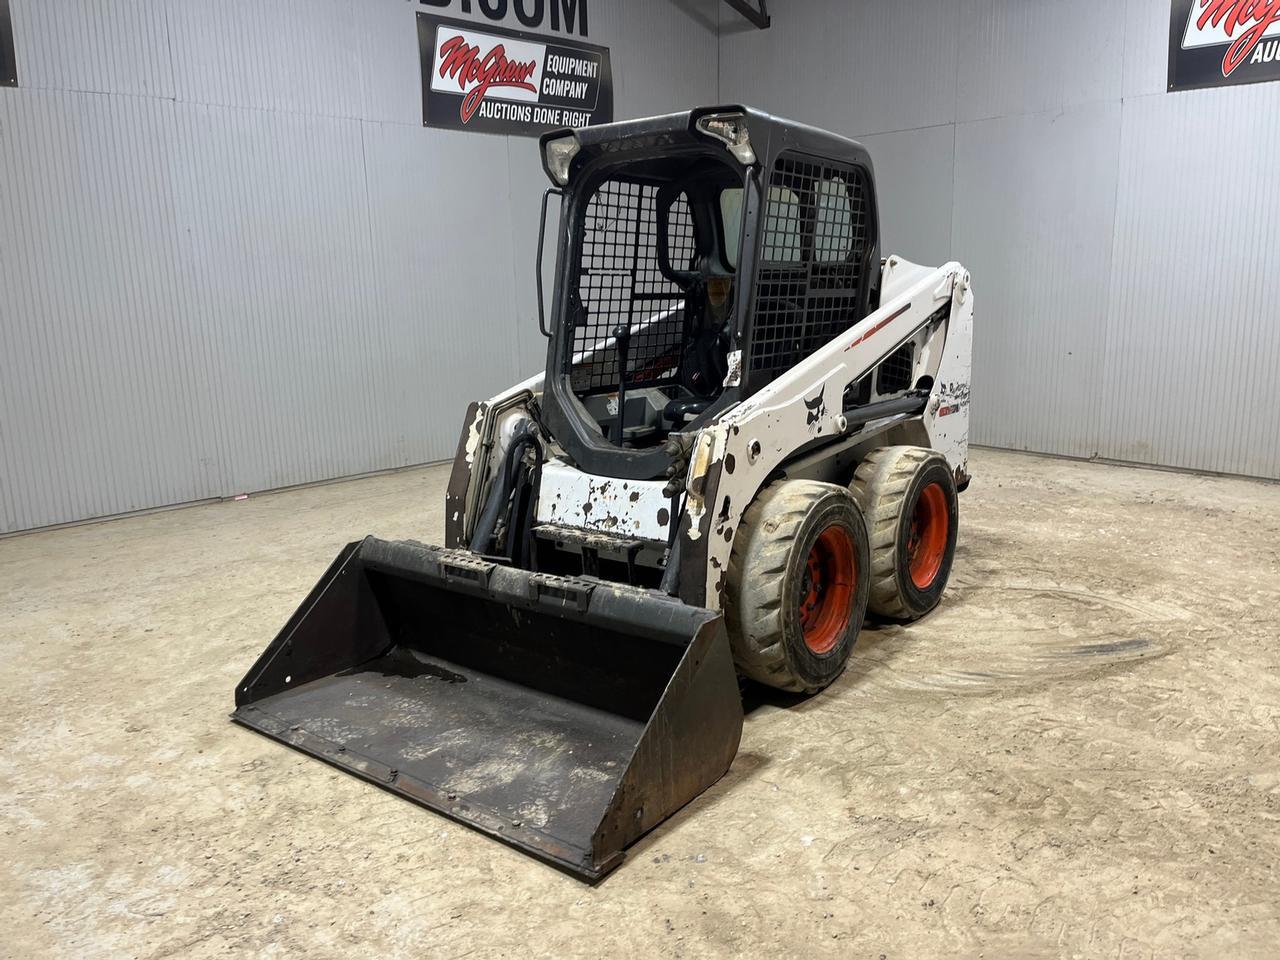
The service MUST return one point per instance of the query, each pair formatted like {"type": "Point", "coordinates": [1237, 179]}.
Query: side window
{"type": "Point", "coordinates": [833, 222]}
{"type": "Point", "coordinates": [832, 217]}
{"type": "Point", "coordinates": [782, 240]}
{"type": "Point", "coordinates": [731, 223]}
{"type": "Point", "coordinates": [809, 285]}
{"type": "Point", "coordinates": [681, 242]}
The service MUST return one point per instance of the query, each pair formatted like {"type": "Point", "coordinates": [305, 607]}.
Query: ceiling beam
{"type": "Point", "coordinates": [759, 16]}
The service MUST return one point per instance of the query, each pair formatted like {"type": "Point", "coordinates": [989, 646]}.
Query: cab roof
{"type": "Point", "coordinates": [769, 136]}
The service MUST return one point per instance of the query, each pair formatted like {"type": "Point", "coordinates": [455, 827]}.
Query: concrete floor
{"type": "Point", "coordinates": [1075, 756]}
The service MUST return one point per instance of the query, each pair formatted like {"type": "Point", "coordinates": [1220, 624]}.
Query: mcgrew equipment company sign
{"type": "Point", "coordinates": [1214, 43]}
{"type": "Point", "coordinates": [506, 81]}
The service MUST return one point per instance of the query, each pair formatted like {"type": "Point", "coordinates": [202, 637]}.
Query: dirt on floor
{"type": "Point", "coordinates": [1074, 756]}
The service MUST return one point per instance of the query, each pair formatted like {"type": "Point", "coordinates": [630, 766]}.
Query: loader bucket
{"type": "Point", "coordinates": [566, 717]}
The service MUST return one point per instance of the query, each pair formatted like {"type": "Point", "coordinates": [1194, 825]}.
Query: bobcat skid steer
{"type": "Point", "coordinates": [751, 430]}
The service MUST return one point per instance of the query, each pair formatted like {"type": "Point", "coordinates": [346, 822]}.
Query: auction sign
{"type": "Point", "coordinates": [8, 63]}
{"type": "Point", "coordinates": [1214, 43]}
{"type": "Point", "coordinates": [494, 80]}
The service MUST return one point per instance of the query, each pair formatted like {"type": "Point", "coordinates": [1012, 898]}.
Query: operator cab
{"type": "Point", "coordinates": [701, 255]}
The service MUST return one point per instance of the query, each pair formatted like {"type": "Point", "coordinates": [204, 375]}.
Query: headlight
{"type": "Point", "coordinates": [560, 153]}
{"type": "Point", "coordinates": [731, 130]}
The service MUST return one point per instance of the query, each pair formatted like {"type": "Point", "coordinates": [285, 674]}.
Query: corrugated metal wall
{"type": "Point", "coordinates": [232, 259]}
{"type": "Point", "coordinates": [1123, 241]}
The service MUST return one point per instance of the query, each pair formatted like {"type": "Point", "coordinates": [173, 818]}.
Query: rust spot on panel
{"type": "Point", "coordinates": [635, 495]}
{"type": "Point", "coordinates": [663, 516]}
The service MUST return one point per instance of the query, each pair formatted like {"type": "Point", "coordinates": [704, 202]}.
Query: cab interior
{"type": "Point", "coordinates": [652, 293]}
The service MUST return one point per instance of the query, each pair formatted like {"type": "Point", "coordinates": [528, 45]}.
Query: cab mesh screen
{"type": "Point", "coordinates": [620, 284]}
{"type": "Point", "coordinates": [809, 278]}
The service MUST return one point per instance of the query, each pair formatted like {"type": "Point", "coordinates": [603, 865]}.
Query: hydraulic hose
{"type": "Point", "coordinates": [503, 486]}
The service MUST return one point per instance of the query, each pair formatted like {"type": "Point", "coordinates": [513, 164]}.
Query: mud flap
{"type": "Point", "coordinates": [566, 717]}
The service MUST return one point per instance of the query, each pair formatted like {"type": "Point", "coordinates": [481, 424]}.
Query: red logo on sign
{"type": "Point", "coordinates": [1232, 15]}
{"type": "Point", "coordinates": [461, 60]}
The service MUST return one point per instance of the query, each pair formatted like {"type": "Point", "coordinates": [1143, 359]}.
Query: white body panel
{"type": "Point", "coordinates": [634, 509]}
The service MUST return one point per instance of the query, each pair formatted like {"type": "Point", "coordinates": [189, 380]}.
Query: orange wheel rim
{"type": "Point", "coordinates": [927, 541]}
{"type": "Point", "coordinates": [826, 601]}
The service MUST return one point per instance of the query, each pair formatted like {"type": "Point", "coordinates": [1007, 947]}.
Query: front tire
{"type": "Point", "coordinates": [908, 496]}
{"type": "Point", "coordinates": [798, 585]}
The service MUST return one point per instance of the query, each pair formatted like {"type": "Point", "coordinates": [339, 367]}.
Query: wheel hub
{"type": "Point", "coordinates": [826, 590]}
{"type": "Point", "coordinates": [927, 538]}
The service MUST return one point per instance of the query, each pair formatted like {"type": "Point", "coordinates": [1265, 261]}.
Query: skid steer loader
{"type": "Point", "coordinates": [750, 431]}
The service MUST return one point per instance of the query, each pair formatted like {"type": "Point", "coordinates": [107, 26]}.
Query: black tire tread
{"type": "Point", "coordinates": [766, 532]}
{"type": "Point", "coordinates": [880, 485]}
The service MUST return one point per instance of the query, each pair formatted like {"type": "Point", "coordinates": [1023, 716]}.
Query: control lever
{"type": "Point", "coordinates": [621, 339]}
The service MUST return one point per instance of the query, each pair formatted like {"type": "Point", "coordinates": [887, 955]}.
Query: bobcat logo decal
{"type": "Point", "coordinates": [817, 408]}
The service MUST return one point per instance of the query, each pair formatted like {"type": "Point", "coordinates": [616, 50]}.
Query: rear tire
{"type": "Point", "coordinates": [798, 585]}
{"type": "Point", "coordinates": [908, 497]}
